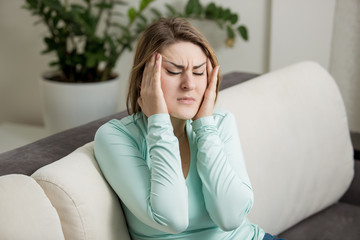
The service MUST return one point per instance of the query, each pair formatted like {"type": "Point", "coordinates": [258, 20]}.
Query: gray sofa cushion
{"type": "Point", "coordinates": [352, 195]}
{"type": "Point", "coordinates": [340, 221]}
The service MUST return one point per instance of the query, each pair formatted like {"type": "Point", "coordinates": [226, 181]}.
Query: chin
{"type": "Point", "coordinates": [183, 115]}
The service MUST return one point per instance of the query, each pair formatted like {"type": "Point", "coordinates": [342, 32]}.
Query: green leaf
{"type": "Point", "coordinates": [82, 22]}
{"type": "Point", "coordinates": [144, 20]}
{"type": "Point", "coordinates": [53, 63]}
{"type": "Point", "coordinates": [104, 5]}
{"type": "Point", "coordinates": [55, 21]}
{"type": "Point", "coordinates": [31, 4]}
{"type": "Point", "coordinates": [220, 24]}
{"type": "Point", "coordinates": [120, 26]}
{"type": "Point", "coordinates": [92, 58]}
{"type": "Point", "coordinates": [47, 16]}
{"type": "Point", "coordinates": [189, 8]}
{"type": "Point", "coordinates": [120, 3]}
{"type": "Point", "coordinates": [144, 4]}
{"type": "Point", "coordinates": [77, 7]}
{"type": "Point", "coordinates": [220, 12]}
{"type": "Point", "coordinates": [211, 11]}
{"type": "Point", "coordinates": [230, 32]}
{"type": "Point", "coordinates": [193, 7]}
{"type": "Point", "coordinates": [140, 27]}
{"type": "Point", "coordinates": [156, 12]}
{"type": "Point", "coordinates": [171, 9]}
{"type": "Point", "coordinates": [53, 4]}
{"type": "Point", "coordinates": [243, 32]}
{"type": "Point", "coordinates": [111, 43]}
{"type": "Point", "coordinates": [198, 9]}
{"type": "Point", "coordinates": [132, 14]}
{"type": "Point", "coordinates": [234, 18]}
{"type": "Point", "coordinates": [50, 44]}
{"type": "Point", "coordinates": [226, 14]}
{"type": "Point", "coordinates": [100, 56]}
{"type": "Point", "coordinates": [90, 61]}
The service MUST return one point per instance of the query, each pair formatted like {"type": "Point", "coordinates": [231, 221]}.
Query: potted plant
{"type": "Point", "coordinates": [88, 37]}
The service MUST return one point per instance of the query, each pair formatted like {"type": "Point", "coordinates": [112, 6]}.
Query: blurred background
{"type": "Point", "coordinates": [281, 32]}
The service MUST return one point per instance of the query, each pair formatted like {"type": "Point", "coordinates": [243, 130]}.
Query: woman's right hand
{"type": "Point", "coordinates": [151, 98]}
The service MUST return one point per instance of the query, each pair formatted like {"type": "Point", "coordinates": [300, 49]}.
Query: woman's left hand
{"type": "Point", "coordinates": [207, 105]}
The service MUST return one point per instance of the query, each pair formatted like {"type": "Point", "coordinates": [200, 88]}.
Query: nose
{"type": "Point", "coordinates": [187, 82]}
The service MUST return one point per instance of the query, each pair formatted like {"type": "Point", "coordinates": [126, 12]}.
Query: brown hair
{"type": "Point", "coordinates": [162, 33]}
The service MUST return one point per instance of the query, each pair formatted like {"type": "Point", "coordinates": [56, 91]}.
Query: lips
{"type": "Point", "coordinates": [186, 100]}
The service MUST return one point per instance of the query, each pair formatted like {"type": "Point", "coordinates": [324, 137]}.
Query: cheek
{"type": "Point", "coordinates": [164, 87]}
{"type": "Point", "coordinates": [202, 86]}
{"type": "Point", "coordinates": [167, 87]}
{"type": "Point", "coordinates": [164, 81]}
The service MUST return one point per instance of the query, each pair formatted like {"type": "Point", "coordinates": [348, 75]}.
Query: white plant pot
{"type": "Point", "coordinates": [67, 105]}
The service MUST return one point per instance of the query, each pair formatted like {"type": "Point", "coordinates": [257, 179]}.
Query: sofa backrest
{"type": "Point", "coordinates": [294, 132]}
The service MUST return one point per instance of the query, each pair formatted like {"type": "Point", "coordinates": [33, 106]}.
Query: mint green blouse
{"type": "Point", "coordinates": [140, 159]}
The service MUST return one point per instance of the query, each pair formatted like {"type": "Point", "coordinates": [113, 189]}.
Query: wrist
{"type": "Point", "coordinates": [202, 121]}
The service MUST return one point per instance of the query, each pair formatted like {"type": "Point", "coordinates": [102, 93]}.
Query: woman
{"type": "Point", "coordinates": [176, 164]}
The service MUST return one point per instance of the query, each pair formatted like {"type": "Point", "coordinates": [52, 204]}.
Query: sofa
{"type": "Point", "coordinates": [295, 137]}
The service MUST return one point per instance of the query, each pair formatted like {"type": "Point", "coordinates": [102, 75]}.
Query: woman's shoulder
{"type": "Point", "coordinates": [226, 123]}
{"type": "Point", "coordinates": [129, 124]}
{"type": "Point", "coordinates": [220, 115]}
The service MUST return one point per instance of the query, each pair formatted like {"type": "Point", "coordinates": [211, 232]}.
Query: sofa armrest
{"type": "Point", "coordinates": [352, 195]}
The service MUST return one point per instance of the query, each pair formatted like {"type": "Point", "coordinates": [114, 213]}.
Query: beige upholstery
{"type": "Point", "coordinates": [87, 206]}
{"type": "Point", "coordinates": [25, 211]}
{"type": "Point", "coordinates": [295, 137]}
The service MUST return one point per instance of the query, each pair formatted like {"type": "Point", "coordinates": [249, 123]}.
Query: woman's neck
{"type": "Point", "coordinates": [178, 126]}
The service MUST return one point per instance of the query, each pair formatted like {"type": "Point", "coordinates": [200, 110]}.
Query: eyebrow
{"type": "Point", "coordinates": [182, 67]}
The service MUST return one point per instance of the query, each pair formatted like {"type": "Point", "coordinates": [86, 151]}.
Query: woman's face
{"type": "Point", "coordinates": [183, 78]}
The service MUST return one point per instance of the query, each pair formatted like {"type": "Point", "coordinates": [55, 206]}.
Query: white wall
{"type": "Point", "coordinates": [345, 57]}
{"type": "Point", "coordinates": [20, 64]}
{"type": "Point", "coordinates": [301, 30]}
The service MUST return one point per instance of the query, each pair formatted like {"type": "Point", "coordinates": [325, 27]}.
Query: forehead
{"type": "Point", "coordinates": [184, 53]}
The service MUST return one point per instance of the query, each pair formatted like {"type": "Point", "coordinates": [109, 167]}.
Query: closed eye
{"type": "Point", "coordinates": [198, 74]}
{"type": "Point", "coordinates": [172, 73]}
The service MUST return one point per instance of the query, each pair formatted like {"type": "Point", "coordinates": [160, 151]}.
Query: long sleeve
{"type": "Point", "coordinates": [225, 184]}
{"type": "Point", "coordinates": [148, 180]}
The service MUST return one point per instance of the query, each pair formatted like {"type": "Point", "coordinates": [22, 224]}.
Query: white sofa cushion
{"type": "Point", "coordinates": [294, 132]}
{"type": "Point", "coordinates": [25, 211]}
{"type": "Point", "coordinates": [87, 206]}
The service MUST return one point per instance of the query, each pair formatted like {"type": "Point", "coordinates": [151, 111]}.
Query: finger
{"type": "Point", "coordinates": [157, 75]}
{"type": "Point", "coordinates": [209, 69]}
{"type": "Point", "coordinates": [139, 100]}
{"type": "Point", "coordinates": [143, 81]}
{"type": "Point", "coordinates": [214, 78]}
{"type": "Point", "coordinates": [148, 71]}
{"type": "Point", "coordinates": [158, 62]}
